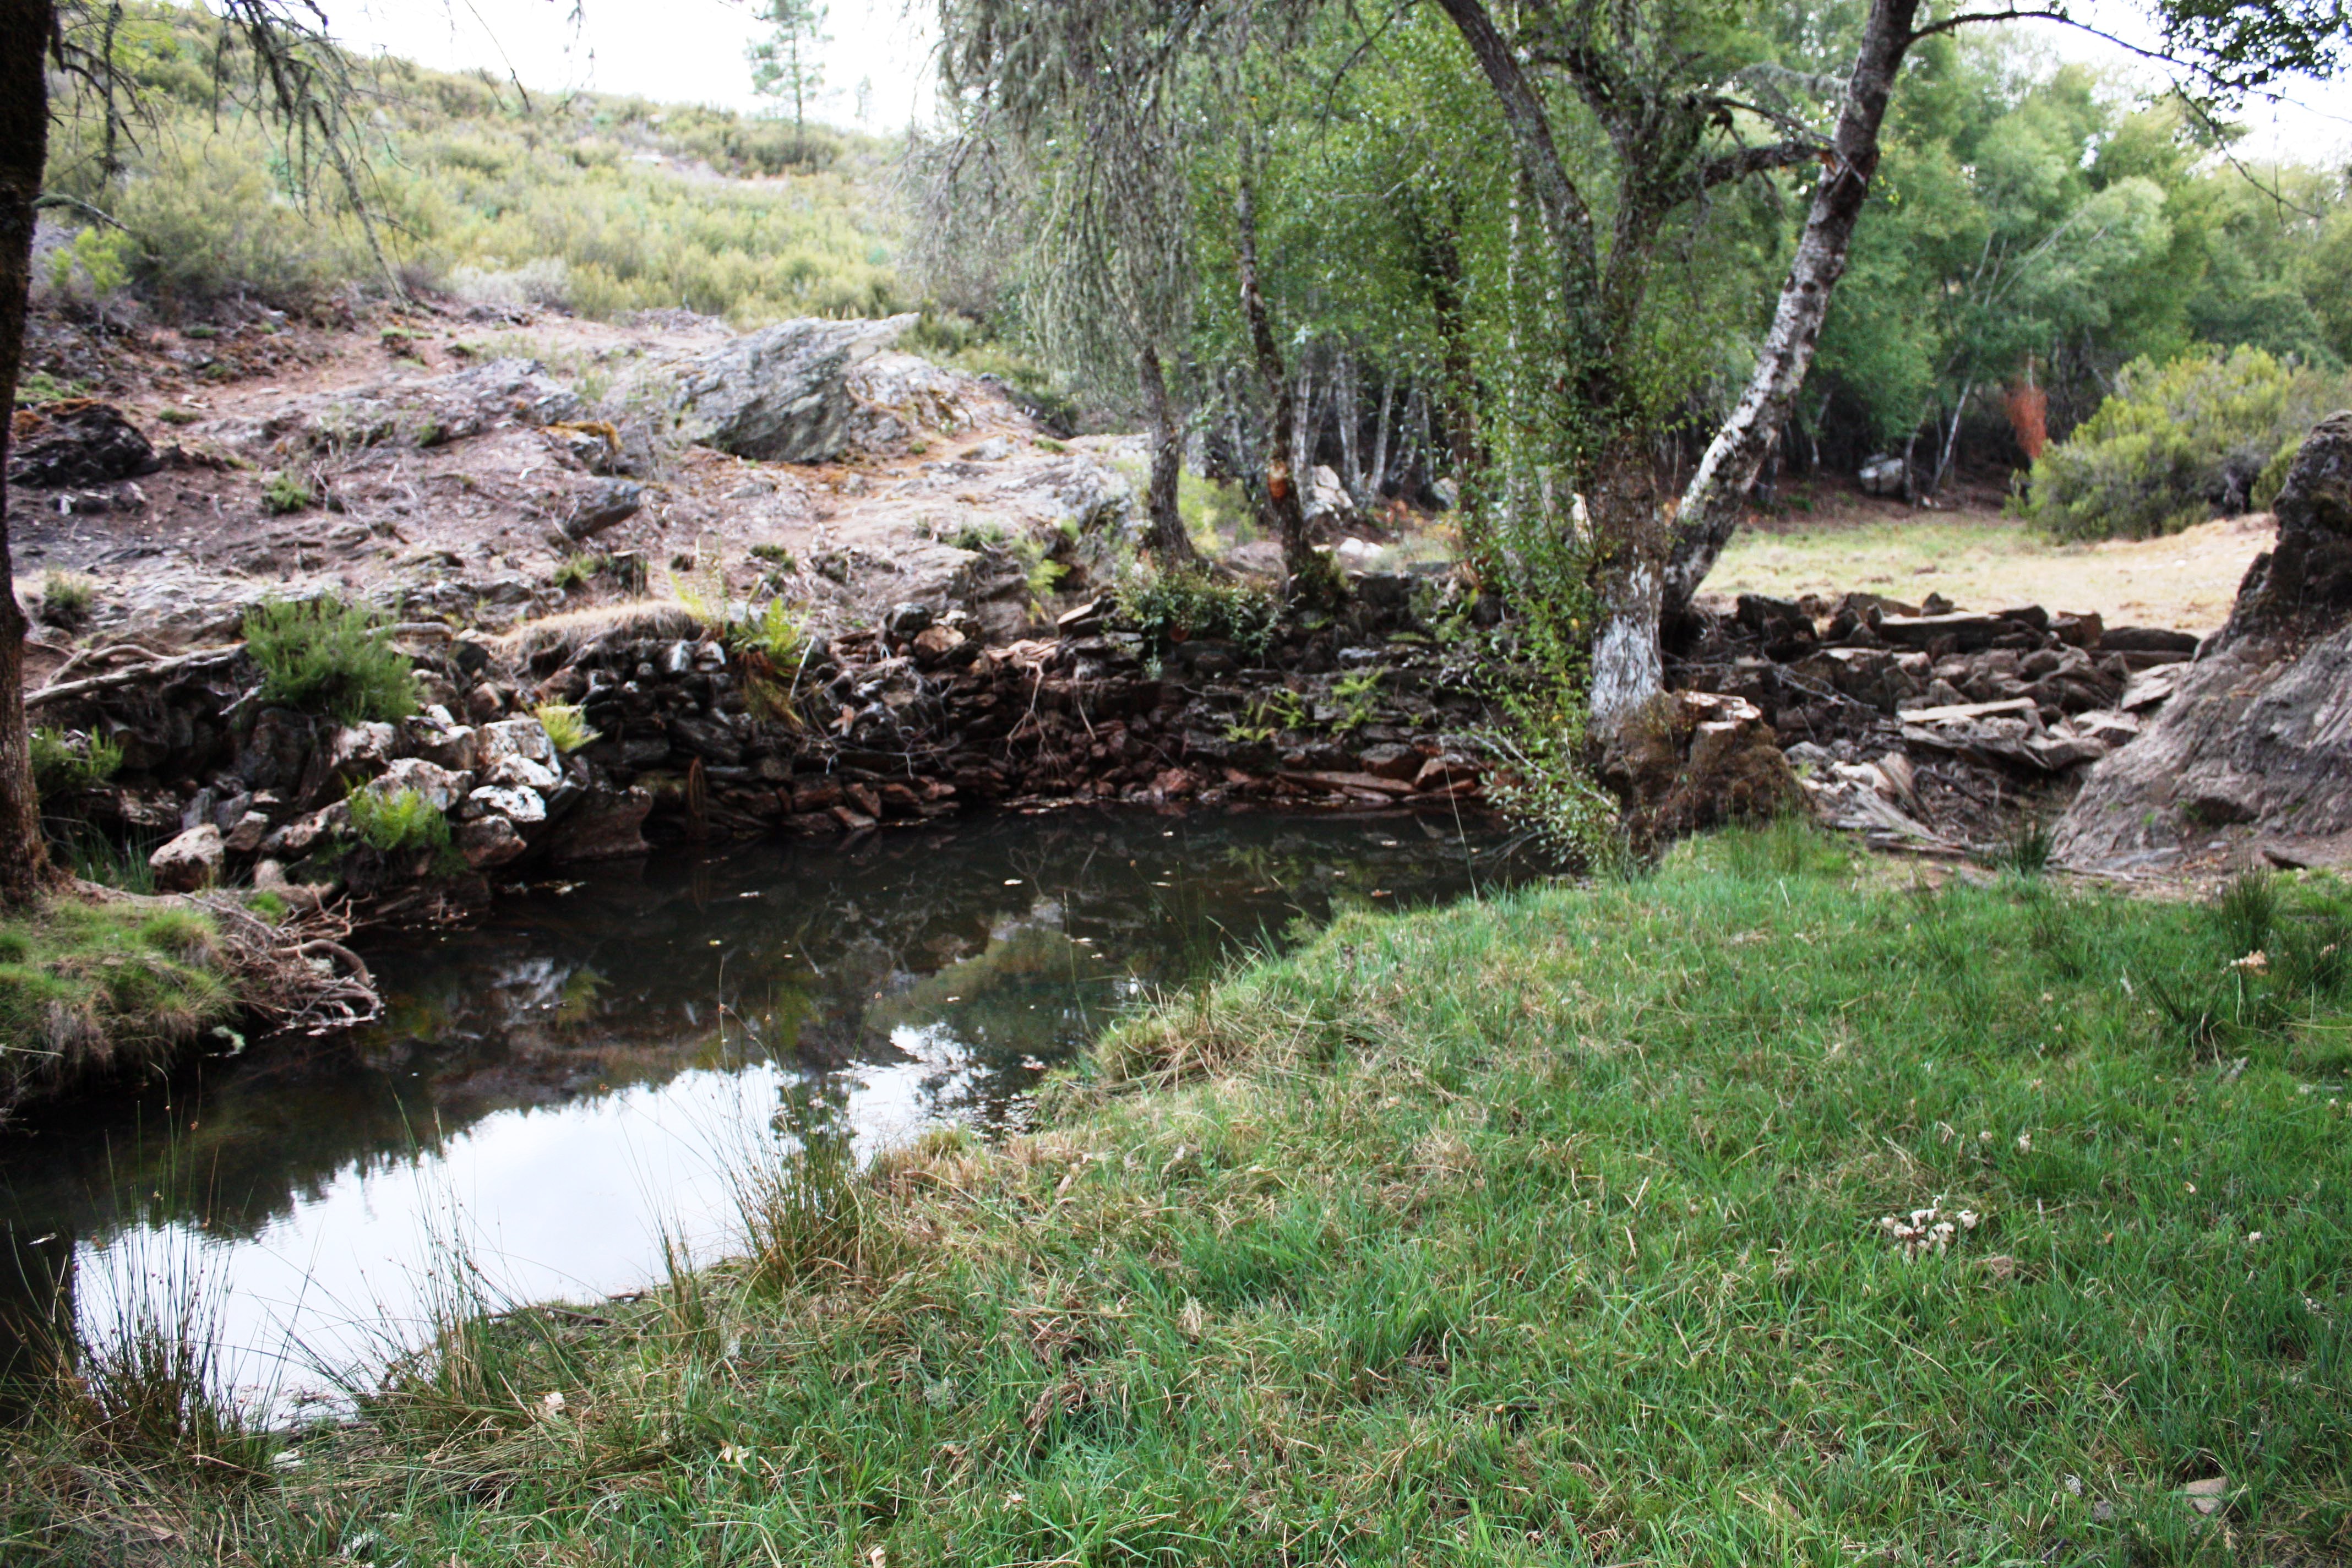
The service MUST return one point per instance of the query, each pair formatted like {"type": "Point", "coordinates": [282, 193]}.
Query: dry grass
{"type": "Point", "coordinates": [1980, 560]}
{"type": "Point", "coordinates": [554, 640]}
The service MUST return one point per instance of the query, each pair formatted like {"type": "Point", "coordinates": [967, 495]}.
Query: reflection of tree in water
{"type": "Point", "coordinates": [811, 956]}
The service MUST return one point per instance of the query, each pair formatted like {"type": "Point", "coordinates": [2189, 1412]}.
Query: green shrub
{"type": "Point", "coordinates": [283, 492]}
{"type": "Point", "coordinates": [576, 571]}
{"type": "Point", "coordinates": [394, 822]}
{"type": "Point", "coordinates": [565, 727]}
{"type": "Point", "coordinates": [67, 763]}
{"type": "Point", "coordinates": [1169, 608]}
{"type": "Point", "coordinates": [2205, 434]}
{"type": "Point", "coordinates": [325, 656]}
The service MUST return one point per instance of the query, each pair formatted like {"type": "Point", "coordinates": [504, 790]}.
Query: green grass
{"type": "Point", "coordinates": [1543, 1230]}
{"type": "Point", "coordinates": [90, 990]}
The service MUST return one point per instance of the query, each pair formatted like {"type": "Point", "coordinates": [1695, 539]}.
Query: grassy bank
{"type": "Point", "coordinates": [92, 989]}
{"type": "Point", "coordinates": [1577, 1225]}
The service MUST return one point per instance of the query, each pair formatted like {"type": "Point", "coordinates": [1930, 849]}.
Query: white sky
{"type": "Point", "coordinates": [692, 51]}
{"type": "Point", "coordinates": [674, 51]}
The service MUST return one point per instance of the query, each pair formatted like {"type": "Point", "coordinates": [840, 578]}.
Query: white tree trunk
{"type": "Point", "coordinates": [1713, 501]}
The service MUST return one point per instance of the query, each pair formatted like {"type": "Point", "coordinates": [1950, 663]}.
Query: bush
{"type": "Point", "coordinates": [1169, 608]}
{"type": "Point", "coordinates": [67, 764]}
{"type": "Point", "coordinates": [325, 656]}
{"type": "Point", "coordinates": [2206, 434]}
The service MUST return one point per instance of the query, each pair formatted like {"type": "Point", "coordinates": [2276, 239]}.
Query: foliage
{"type": "Point", "coordinates": [396, 821]}
{"type": "Point", "coordinates": [92, 989]}
{"type": "Point", "coordinates": [67, 763]}
{"type": "Point", "coordinates": [1173, 607]}
{"type": "Point", "coordinates": [1394, 1251]}
{"type": "Point", "coordinates": [2178, 445]}
{"type": "Point", "coordinates": [1357, 695]}
{"type": "Point", "coordinates": [323, 655]}
{"type": "Point", "coordinates": [571, 201]}
{"type": "Point", "coordinates": [576, 571]}
{"type": "Point", "coordinates": [565, 727]}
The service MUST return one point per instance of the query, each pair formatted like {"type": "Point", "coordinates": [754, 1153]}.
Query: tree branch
{"type": "Point", "coordinates": [1739, 165]}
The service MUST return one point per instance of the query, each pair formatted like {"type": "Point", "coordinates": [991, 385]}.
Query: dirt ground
{"type": "Point", "coordinates": [1981, 559]}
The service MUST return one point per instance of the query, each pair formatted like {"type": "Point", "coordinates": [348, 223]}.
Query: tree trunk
{"type": "Point", "coordinates": [1281, 504]}
{"type": "Point", "coordinates": [1347, 399]}
{"type": "Point", "coordinates": [24, 31]}
{"type": "Point", "coordinates": [1376, 483]}
{"type": "Point", "coordinates": [1951, 440]}
{"type": "Point", "coordinates": [1711, 502]}
{"type": "Point", "coordinates": [1169, 540]}
{"type": "Point", "coordinates": [1628, 529]}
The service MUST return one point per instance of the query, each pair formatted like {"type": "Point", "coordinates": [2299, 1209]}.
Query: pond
{"type": "Point", "coordinates": [559, 1091]}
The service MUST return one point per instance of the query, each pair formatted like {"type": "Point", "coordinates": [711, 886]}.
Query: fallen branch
{"type": "Point", "coordinates": [66, 692]}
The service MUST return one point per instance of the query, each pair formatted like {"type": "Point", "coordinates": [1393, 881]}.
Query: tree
{"type": "Point", "coordinates": [784, 63]}
{"type": "Point", "coordinates": [282, 57]}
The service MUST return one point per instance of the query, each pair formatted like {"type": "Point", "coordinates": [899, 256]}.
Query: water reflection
{"type": "Point", "coordinates": [561, 1085]}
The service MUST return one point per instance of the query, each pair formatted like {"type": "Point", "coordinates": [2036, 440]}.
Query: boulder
{"type": "Point", "coordinates": [443, 788]}
{"type": "Point", "coordinates": [489, 841]}
{"type": "Point", "coordinates": [517, 752]}
{"type": "Point", "coordinates": [434, 736]}
{"type": "Point", "coordinates": [780, 395]}
{"type": "Point", "coordinates": [612, 502]}
{"type": "Point", "coordinates": [1881, 475]}
{"type": "Point", "coordinates": [2255, 742]}
{"type": "Point", "coordinates": [77, 442]}
{"type": "Point", "coordinates": [191, 861]}
{"type": "Point", "coordinates": [523, 807]}
{"type": "Point", "coordinates": [605, 825]}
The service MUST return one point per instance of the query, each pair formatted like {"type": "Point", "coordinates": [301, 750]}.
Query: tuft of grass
{"type": "Point", "coordinates": [565, 727]}
{"type": "Point", "coordinates": [326, 657]}
{"type": "Point", "coordinates": [2027, 848]}
{"type": "Point", "coordinates": [66, 598]}
{"type": "Point", "coordinates": [1582, 1224]}
{"type": "Point", "coordinates": [577, 571]}
{"type": "Point", "coordinates": [92, 991]}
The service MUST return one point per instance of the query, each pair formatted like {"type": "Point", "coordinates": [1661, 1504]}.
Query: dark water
{"type": "Point", "coordinates": [558, 1089]}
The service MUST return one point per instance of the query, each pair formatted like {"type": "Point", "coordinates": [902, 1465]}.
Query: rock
{"type": "Point", "coordinates": [1967, 631]}
{"type": "Point", "coordinates": [944, 645]}
{"type": "Point", "coordinates": [189, 862]}
{"type": "Point", "coordinates": [1391, 761]}
{"type": "Point", "coordinates": [2148, 640]}
{"type": "Point", "coordinates": [489, 841]}
{"type": "Point", "coordinates": [521, 807]}
{"type": "Point", "coordinates": [904, 622]}
{"type": "Point", "coordinates": [441, 786]}
{"type": "Point", "coordinates": [76, 442]}
{"type": "Point", "coordinates": [276, 751]}
{"type": "Point", "coordinates": [359, 752]}
{"type": "Point", "coordinates": [780, 395]}
{"type": "Point", "coordinates": [1784, 629]}
{"type": "Point", "coordinates": [304, 834]}
{"type": "Point", "coordinates": [2258, 731]}
{"type": "Point", "coordinates": [613, 501]}
{"type": "Point", "coordinates": [433, 736]}
{"type": "Point", "coordinates": [517, 752]}
{"type": "Point", "coordinates": [1327, 501]}
{"type": "Point", "coordinates": [246, 835]}
{"type": "Point", "coordinates": [604, 825]}
{"type": "Point", "coordinates": [1881, 475]}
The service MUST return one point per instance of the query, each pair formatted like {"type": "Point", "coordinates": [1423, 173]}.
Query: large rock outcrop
{"type": "Point", "coordinates": [2254, 749]}
{"type": "Point", "coordinates": [77, 442]}
{"type": "Point", "coordinates": [780, 394]}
